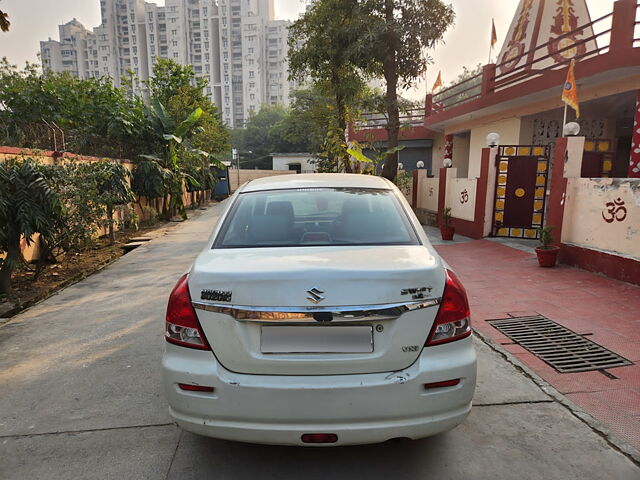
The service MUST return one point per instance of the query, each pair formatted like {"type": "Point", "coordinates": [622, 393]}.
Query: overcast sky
{"type": "Point", "coordinates": [466, 44]}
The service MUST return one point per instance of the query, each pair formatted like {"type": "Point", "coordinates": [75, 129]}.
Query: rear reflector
{"type": "Point", "coordinates": [319, 438]}
{"type": "Point", "coordinates": [195, 388]}
{"type": "Point", "coordinates": [446, 383]}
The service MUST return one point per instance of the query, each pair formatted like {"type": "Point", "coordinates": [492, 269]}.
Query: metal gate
{"type": "Point", "coordinates": [521, 185]}
{"type": "Point", "coordinates": [597, 159]}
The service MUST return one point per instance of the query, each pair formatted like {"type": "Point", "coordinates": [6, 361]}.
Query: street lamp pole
{"type": "Point", "coordinates": [236, 156]}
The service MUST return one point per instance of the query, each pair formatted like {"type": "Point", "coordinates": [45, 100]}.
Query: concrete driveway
{"type": "Point", "coordinates": [80, 398]}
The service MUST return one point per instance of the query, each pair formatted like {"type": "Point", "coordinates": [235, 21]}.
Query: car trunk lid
{"type": "Point", "coordinates": [317, 310]}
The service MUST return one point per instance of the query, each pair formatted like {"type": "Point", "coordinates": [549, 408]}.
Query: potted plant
{"type": "Point", "coordinates": [446, 229]}
{"type": "Point", "coordinates": [547, 253]}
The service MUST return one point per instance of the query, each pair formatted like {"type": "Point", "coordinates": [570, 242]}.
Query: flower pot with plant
{"type": "Point", "coordinates": [547, 253]}
{"type": "Point", "coordinates": [446, 229]}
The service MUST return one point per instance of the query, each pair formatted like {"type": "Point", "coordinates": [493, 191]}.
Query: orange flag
{"type": "Point", "coordinates": [438, 83]}
{"type": "Point", "coordinates": [494, 35]}
{"type": "Point", "coordinates": [570, 90]}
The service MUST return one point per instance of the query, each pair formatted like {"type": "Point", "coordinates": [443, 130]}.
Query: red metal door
{"type": "Point", "coordinates": [520, 192]}
{"type": "Point", "coordinates": [521, 181]}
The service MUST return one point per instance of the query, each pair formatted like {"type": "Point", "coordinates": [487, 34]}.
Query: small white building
{"type": "Point", "coordinates": [299, 162]}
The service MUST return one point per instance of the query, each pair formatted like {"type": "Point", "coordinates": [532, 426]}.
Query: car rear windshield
{"type": "Point", "coordinates": [314, 217]}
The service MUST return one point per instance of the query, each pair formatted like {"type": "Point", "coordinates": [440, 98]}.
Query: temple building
{"type": "Point", "coordinates": [584, 180]}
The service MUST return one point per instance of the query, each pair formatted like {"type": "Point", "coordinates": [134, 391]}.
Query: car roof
{"type": "Point", "coordinates": [316, 180]}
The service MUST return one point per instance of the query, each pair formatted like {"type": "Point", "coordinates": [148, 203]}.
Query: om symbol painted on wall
{"type": "Point", "coordinates": [431, 191]}
{"type": "Point", "coordinates": [464, 196]}
{"type": "Point", "coordinates": [615, 211]}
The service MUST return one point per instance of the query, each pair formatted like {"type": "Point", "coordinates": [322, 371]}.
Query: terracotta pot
{"type": "Point", "coordinates": [547, 257]}
{"type": "Point", "coordinates": [447, 232]}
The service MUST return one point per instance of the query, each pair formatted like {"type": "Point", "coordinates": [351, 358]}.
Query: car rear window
{"type": "Point", "coordinates": [317, 216]}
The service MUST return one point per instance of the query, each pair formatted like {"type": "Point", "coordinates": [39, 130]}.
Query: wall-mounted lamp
{"type": "Point", "coordinates": [571, 129]}
{"type": "Point", "coordinates": [493, 140]}
{"type": "Point", "coordinates": [447, 163]}
{"type": "Point", "coordinates": [400, 166]}
{"type": "Point", "coordinates": [420, 164]}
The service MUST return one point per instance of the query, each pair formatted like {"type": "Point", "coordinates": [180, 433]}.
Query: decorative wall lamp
{"type": "Point", "coordinates": [493, 140]}
{"type": "Point", "coordinates": [571, 129]}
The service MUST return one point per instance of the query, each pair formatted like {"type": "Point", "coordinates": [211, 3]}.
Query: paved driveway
{"type": "Point", "coordinates": [80, 398]}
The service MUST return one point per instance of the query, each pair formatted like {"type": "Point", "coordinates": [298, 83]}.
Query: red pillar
{"type": "Point", "coordinates": [622, 26]}
{"type": "Point", "coordinates": [488, 79]}
{"type": "Point", "coordinates": [442, 193]}
{"type": "Point", "coordinates": [414, 191]}
{"type": "Point", "coordinates": [558, 188]}
{"type": "Point", "coordinates": [634, 158]}
{"type": "Point", "coordinates": [481, 195]}
{"type": "Point", "coordinates": [428, 105]}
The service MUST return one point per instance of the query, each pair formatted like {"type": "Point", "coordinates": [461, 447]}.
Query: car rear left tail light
{"type": "Point", "coordinates": [183, 327]}
{"type": "Point", "coordinates": [452, 321]}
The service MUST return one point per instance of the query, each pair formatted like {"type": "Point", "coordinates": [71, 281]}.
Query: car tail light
{"type": "Point", "coordinates": [183, 327]}
{"type": "Point", "coordinates": [319, 438]}
{"type": "Point", "coordinates": [452, 321]}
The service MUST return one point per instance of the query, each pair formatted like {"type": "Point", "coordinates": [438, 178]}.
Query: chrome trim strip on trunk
{"type": "Point", "coordinates": [356, 313]}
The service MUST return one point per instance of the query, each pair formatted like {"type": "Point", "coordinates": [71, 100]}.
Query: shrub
{"type": "Point", "coordinates": [28, 205]}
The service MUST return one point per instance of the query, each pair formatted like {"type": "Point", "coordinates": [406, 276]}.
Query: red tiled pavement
{"type": "Point", "coordinates": [502, 281]}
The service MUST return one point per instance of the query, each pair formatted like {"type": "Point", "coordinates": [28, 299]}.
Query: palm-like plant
{"type": "Point", "coordinates": [170, 172]}
{"type": "Point", "coordinates": [27, 206]}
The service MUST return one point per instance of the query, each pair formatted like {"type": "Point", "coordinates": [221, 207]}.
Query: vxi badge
{"type": "Point", "coordinates": [215, 295]}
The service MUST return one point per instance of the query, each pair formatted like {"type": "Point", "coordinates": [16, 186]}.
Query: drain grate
{"type": "Point", "coordinates": [563, 349]}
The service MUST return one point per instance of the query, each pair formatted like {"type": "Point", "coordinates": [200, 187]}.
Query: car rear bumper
{"type": "Point", "coordinates": [359, 408]}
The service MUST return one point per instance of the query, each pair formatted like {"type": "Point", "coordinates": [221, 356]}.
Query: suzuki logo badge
{"type": "Point", "coordinates": [315, 295]}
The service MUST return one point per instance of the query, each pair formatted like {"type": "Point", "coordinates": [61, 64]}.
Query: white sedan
{"type": "Point", "coordinates": [318, 314]}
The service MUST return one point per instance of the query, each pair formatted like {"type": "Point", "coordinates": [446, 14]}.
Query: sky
{"type": "Point", "coordinates": [466, 44]}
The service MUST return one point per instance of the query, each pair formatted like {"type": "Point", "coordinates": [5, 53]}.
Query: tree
{"type": "Point", "coordinates": [97, 118]}
{"type": "Point", "coordinates": [75, 184]}
{"type": "Point", "coordinates": [4, 21]}
{"type": "Point", "coordinates": [396, 35]}
{"type": "Point", "coordinates": [456, 92]}
{"type": "Point", "coordinates": [112, 182]}
{"type": "Point", "coordinates": [188, 136]}
{"type": "Point", "coordinates": [258, 139]}
{"type": "Point", "coordinates": [306, 125]}
{"type": "Point", "coordinates": [170, 79]}
{"type": "Point", "coordinates": [181, 92]}
{"type": "Point", "coordinates": [27, 206]}
{"type": "Point", "coordinates": [176, 151]}
{"type": "Point", "coordinates": [320, 47]}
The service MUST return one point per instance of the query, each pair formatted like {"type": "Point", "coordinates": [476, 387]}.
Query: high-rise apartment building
{"type": "Point", "coordinates": [235, 44]}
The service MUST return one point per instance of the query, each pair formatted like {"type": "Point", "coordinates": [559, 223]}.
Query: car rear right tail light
{"type": "Point", "coordinates": [453, 320]}
{"type": "Point", "coordinates": [183, 327]}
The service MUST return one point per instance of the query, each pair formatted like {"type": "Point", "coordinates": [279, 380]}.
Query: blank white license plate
{"type": "Point", "coordinates": [312, 339]}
